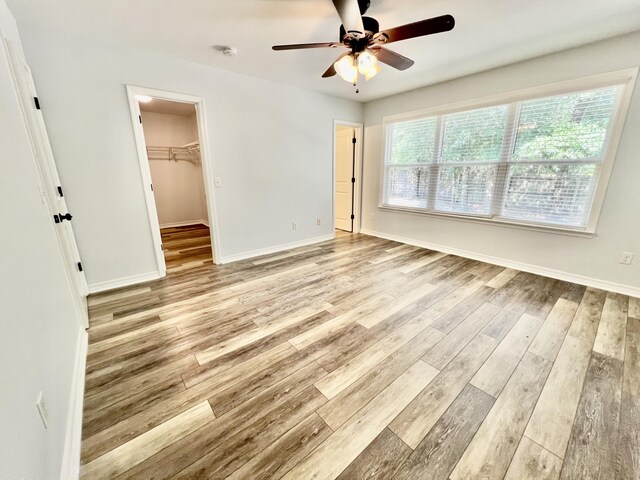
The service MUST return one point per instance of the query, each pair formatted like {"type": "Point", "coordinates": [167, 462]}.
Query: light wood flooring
{"type": "Point", "coordinates": [359, 358]}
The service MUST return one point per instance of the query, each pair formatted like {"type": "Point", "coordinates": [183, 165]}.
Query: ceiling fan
{"type": "Point", "coordinates": [362, 36]}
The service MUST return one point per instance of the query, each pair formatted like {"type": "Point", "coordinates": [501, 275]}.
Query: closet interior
{"type": "Point", "coordinates": [173, 149]}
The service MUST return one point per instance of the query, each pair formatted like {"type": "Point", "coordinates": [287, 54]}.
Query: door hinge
{"type": "Point", "coordinates": [37, 102]}
{"type": "Point", "coordinates": [353, 216]}
{"type": "Point", "coordinates": [161, 247]}
{"type": "Point", "coordinates": [353, 179]}
{"type": "Point", "coordinates": [80, 267]}
{"type": "Point", "coordinates": [152, 187]}
{"type": "Point", "coordinates": [60, 191]}
{"type": "Point", "coordinates": [56, 218]}
{"type": "Point", "coordinates": [353, 140]}
{"type": "Point", "coordinates": [140, 118]}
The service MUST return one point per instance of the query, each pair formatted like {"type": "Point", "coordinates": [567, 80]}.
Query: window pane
{"type": "Point", "coordinates": [474, 136]}
{"type": "Point", "coordinates": [466, 189]}
{"type": "Point", "coordinates": [550, 193]}
{"type": "Point", "coordinates": [412, 141]}
{"type": "Point", "coordinates": [407, 186]}
{"type": "Point", "coordinates": [565, 127]}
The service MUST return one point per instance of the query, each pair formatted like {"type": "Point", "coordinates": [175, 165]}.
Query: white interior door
{"type": "Point", "coordinates": [147, 181]}
{"type": "Point", "coordinates": [344, 177]}
{"type": "Point", "coordinates": [51, 189]}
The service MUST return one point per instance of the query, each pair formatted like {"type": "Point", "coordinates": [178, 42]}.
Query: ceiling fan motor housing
{"type": "Point", "coordinates": [371, 27]}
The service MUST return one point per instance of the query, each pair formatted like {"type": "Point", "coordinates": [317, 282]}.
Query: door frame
{"type": "Point", "coordinates": [145, 168]}
{"type": "Point", "coordinates": [357, 196]}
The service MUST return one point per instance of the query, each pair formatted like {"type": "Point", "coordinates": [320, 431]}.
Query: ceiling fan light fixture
{"type": "Point", "coordinates": [346, 68]}
{"type": "Point", "coordinates": [368, 65]}
{"type": "Point", "coordinates": [372, 73]}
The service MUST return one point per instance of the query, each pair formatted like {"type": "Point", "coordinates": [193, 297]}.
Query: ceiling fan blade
{"type": "Point", "coordinates": [349, 12]}
{"type": "Point", "coordinates": [299, 46]}
{"type": "Point", "coordinates": [331, 71]}
{"type": "Point", "coordinates": [392, 58]}
{"type": "Point", "coordinates": [430, 26]}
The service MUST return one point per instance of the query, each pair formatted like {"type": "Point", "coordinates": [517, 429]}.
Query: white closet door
{"type": "Point", "coordinates": [52, 189]}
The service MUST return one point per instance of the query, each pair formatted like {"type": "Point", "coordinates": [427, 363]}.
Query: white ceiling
{"type": "Point", "coordinates": [168, 107]}
{"type": "Point", "coordinates": [488, 33]}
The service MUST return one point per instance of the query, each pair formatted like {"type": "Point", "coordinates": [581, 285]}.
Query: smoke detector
{"type": "Point", "coordinates": [229, 52]}
{"type": "Point", "coordinates": [226, 50]}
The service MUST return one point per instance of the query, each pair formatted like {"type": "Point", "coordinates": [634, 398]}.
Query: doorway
{"type": "Point", "coordinates": [172, 147]}
{"type": "Point", "coordinates": [347, 167]}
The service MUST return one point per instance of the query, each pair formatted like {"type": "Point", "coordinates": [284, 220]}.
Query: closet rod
{"type": "Point", "coordinates": [190, 153]}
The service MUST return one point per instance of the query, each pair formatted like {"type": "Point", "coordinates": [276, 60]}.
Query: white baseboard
{"type": "Point", "coordinates": [276, 248]}
{"type": "Point", "coordinates": [504, 262]}
{"type": "Point", "coordinates": [184, 224]}
{"type": "Point", "coordinates": [73, 435]}
{"type": "Point", "coordinates": [123, 282]}
{"type": "Point", "coordinates": [146, 277]}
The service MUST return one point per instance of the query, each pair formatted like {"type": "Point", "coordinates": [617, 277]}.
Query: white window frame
{"type": "Point", "coordinates": [624, 78]}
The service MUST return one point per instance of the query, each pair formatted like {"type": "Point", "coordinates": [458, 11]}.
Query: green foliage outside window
{"type": "Point", "coordinates": [568, 127]}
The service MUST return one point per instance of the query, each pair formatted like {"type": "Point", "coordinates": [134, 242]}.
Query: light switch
{"type": "Point", "coordinates": [217, 181]}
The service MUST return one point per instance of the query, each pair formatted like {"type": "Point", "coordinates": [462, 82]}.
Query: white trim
{"type": "Point", "coordinates": [626, 79]}
{"type": "Point", "coordinates": [496, 221]}
{"type": "Point", "coordinates": [357, 198]}
{"type": "Point", "coordinates": [184, 224]}
{"type": "Point", "coordinates": [207, 173]}
{"type": "Point", "coordinates": [611, 148]}
{"type": "Point", "coordinates": [503, 262]}
{"type": "Point", "coordinates": [276, 248]}
{"type": "Point", "coordinates": [123, 282]}
{"type": "Point", "coordinates": [73, 437]}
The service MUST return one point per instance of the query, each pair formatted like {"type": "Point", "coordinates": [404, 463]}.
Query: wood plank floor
{"type": "Point", "coordinates": [359, 358]}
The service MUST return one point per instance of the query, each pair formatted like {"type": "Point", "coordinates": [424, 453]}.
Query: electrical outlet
{"type": "Point", "coordinates": [626, 258]}
{"type": "Point", "coordinates": [317, 221]}
{"type": "Point", "coordinates": [42, 410]}
{"type": "Point", "coordinates": [294, 226]}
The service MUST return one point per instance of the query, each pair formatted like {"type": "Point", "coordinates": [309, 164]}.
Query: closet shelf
{"type": "Point", "coordinates": [188, 153]}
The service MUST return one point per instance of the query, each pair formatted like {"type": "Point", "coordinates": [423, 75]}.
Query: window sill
{"type": "Point", "coordinates": [573, 232]}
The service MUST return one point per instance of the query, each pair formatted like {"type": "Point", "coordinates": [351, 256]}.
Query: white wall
{"type": "Point", "coordinates": [178, 186]}
{"type": "Point", "coordinates": [619, 225]}
{"type": "Point", "coordinates": [270, 144]}
{"type": "Point", "coordinates": [38, 329]}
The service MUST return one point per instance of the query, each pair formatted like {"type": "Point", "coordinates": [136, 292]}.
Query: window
{"type": "Point", "coordinates": [536, 161]}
